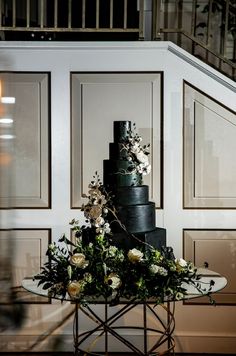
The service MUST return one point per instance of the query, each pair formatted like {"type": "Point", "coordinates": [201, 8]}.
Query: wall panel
{"type": "Point", "coordinates": [30, 151]}
{"type": "Point", "coordinates": [98, 99]}
{"type": "Point", "coordinates": [217, 249]}
{"type": "Point", "coordinates": [209, 149]}
{"type": "Point", "coordinates": [31, 246]}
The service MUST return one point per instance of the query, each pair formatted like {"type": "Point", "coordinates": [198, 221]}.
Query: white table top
{"type": "Point", "coordinates": [206, 276]}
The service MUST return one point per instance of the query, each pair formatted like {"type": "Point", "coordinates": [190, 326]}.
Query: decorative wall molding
{"type": "Point", "coordinates": [97, 100]}
{"type": "Point", "coordinates": [30, 151]}
{"type": "Point", "coordinates": [209, 162]}
{"type": "Point", "coordinates": [31, 246]}
{"type": "Point", "coordinates": [208, 246]}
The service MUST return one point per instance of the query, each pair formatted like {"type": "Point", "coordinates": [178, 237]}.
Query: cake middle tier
{"type": "Point", "coordinates": [120, 173]}
{"type": "Point", "coordinates": [117, 151]}
{"type": "Point", "coordinates": [137, 218]}
{"type": "Point", "coordinates": [132, 195]}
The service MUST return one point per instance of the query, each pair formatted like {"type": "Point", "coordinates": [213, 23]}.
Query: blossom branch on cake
{"type": "Point", "coordinates": [136, 154]}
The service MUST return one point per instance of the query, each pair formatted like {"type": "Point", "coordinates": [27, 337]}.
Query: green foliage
{"type": "Point", "coordinates": [92, 266]}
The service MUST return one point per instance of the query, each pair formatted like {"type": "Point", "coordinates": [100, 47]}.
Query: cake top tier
{"type": "Point", "coordinates": [121, 130]}
{"type": "Point", "coordinates": [128, 158]}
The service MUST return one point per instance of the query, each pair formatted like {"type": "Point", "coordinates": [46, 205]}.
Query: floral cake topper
{"type": "Point", "coordinates": [137, 154]}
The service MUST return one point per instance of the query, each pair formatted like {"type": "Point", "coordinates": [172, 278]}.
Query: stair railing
{"type": "Point", "coordinates": [207, 29]}
{"type": "Point", "coordinates": [79, 16]}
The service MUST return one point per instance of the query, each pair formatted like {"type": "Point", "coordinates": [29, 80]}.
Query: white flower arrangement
{"type": "Point", "coordinates": [137, 154]}
{"type": "Point", "coordinates": [94, 266]}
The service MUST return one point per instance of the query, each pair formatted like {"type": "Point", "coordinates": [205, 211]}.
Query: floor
{"type": "Point", "coordinates": [113, 354]}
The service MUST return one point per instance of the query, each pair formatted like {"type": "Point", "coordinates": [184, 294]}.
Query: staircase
{"type": "Point", "coordinates": [204, 28]}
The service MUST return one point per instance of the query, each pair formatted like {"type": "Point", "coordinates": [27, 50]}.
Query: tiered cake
{"type": "Point", "coordinates": [131, 198]}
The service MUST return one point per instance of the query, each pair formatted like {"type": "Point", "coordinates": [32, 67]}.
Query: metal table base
{"type": "Point", "coordinates": [163, 330]}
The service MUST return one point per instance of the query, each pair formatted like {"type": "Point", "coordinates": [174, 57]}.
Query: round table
{"type": "Point", "coordinates": [104, 326]}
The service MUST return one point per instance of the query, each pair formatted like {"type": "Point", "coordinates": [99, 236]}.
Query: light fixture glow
{"type": "Point", "coordinates": [8, 100]}
{"type": "Point", "coordinates": [7, 137]}
{"type": "Point", "coordinates": [6, 120]}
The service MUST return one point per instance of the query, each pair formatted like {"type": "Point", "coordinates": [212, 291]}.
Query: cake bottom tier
{"type": "Point", "coordinates": [156, 238]}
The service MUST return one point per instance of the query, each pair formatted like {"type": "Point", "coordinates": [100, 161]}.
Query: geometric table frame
{"type": "Point", "coordinates": [104, 326]}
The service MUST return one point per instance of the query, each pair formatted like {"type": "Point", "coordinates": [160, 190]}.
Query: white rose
{"type": "Point", "coordinates": [135, 255]}
{"type": "Point", "coordinates": [181, 262]}
{"type": "Point", "coordinates": [78, 260]}
{"type": "Point", "coordinates": [74, 288]}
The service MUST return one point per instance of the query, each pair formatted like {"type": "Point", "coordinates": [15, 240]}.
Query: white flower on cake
{"type": "Point", "coordinates": [107, 228]}
{"type": "Point", "coordinates": [135, 148]}
{"type": "Point", "coordinates": [141, 157]}
{"type": "Point", "coordinates": [137, 154]}
{"type": "Point", "coordinates": [144, 168]}
{"type": "Point", "coordinates": [99, 221]}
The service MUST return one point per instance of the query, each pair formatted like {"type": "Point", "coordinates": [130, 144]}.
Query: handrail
{"type": "Point", "coordinates": [216, 57]}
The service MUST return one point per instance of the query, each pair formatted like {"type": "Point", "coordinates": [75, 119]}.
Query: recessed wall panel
{"type": "Point", "coordinates": [209, 146]}
{"type": "Point", "coordinates": [98, 99]}
{"type": "Point", "coordinates": [27, 171]}
{"type": "Point", "coordinates": [28, 248]}
{"type": "Point", "coordinates": [217, 249]}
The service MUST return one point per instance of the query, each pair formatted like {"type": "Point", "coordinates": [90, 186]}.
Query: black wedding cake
{"type": "Point", "coordinates": [122, 175]}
